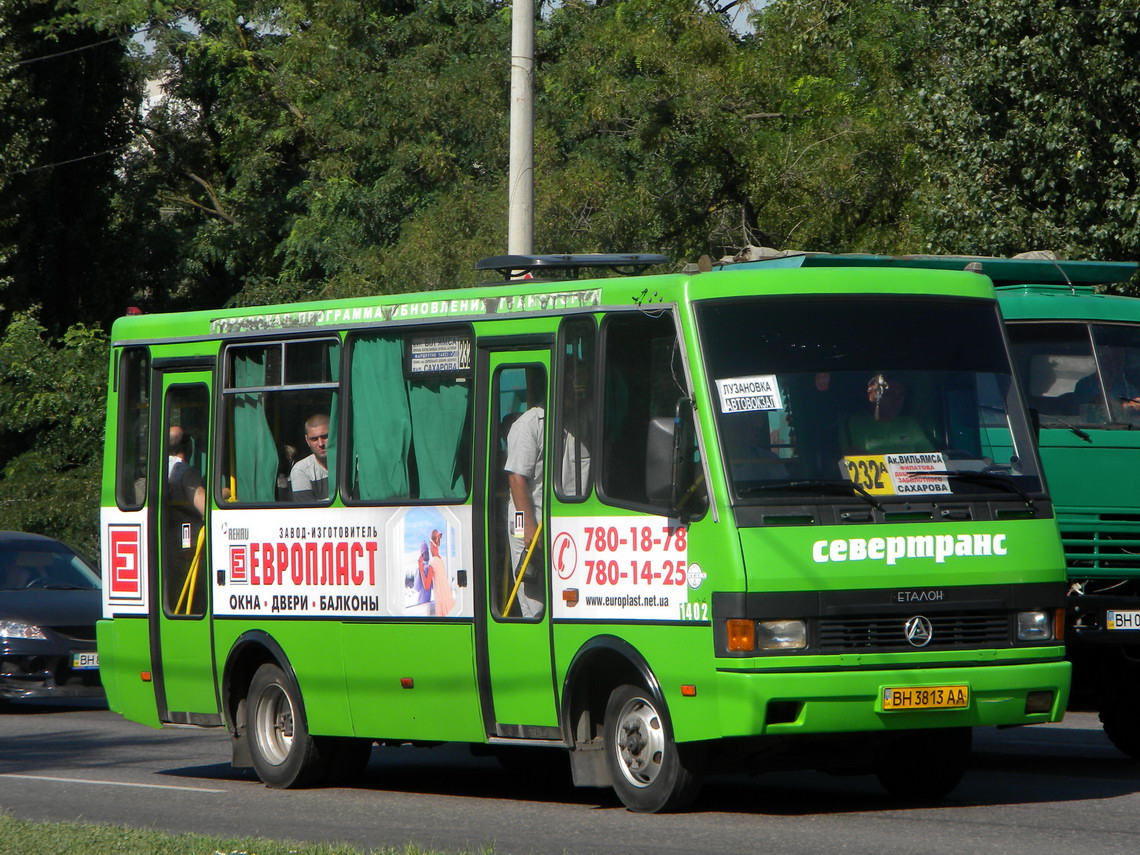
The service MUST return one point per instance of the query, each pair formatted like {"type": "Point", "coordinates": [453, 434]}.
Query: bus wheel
{"type": "Point", "coordinates": [923, 765]}
{"type": "Point", "coordinates": [1120, 718]}
{"type": "Point", "coordinates": [651, 773]}
{"type": "Point", "coordinates": [283, 753]}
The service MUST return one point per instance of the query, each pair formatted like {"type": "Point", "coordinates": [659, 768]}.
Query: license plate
{"type": "Point", "coordinates": [926, 698]}
{"type": "Point", "coordinates": [84, 661]}
{"type": "Point", "coordinates": [1124, 620]}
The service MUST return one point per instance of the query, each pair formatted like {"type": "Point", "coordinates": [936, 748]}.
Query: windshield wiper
{"type": "Point", "coordinates": [990, 478]}
{"type": "Point", "coordinates": [829, 483]}
{"type": "Point", "coordinates": [1082, 434]}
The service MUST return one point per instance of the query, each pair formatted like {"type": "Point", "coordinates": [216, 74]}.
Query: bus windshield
{"type": "Point", "coordinates": [890, 398]}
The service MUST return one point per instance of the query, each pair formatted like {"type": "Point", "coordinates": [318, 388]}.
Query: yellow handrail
{"type": "Point", "coordinates": [191, 580]}
{"type": "Point", "coordinates": [522, 570]}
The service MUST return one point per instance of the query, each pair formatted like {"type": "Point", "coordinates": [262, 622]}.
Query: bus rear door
{"type": "Point", "coordinates": [181, 635]}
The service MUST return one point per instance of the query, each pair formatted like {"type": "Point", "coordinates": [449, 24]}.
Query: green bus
{"type": "Point", "coordinates": [1076, 349]}
{"type": "Point", "coordinates": [671, 524]}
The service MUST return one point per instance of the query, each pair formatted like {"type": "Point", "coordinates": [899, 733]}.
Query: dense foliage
{"type": "Point", "coordinates": [173, 154]}
{"type": "Point", "coordinates": [1031, 117]}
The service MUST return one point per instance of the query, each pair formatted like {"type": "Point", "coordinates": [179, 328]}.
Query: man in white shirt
{"type": "Point", "coordinates": [309, 478]}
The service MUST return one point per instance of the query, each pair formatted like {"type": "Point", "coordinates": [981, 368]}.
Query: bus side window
{"type": "Point", "coordinates": [281, 422]}
{"type": "Point", "coordinates": [642, 387]}
{"type": "Point", "coordinates": [574, 409]}
{"type": "Point", "coordinates": [409, 433]}
{"type": "Point", "coordinates": [134, 428]}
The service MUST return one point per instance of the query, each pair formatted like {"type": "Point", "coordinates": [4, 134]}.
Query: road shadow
{"type": "Point", "coordinates": [51, 706]}
{"type": "Point", "coordinates": [1029, 766]}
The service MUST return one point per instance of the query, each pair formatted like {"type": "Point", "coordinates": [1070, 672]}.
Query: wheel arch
{"type": "Point", "coordinates": [600, 666]}
{"type": "Point", "coordinates": [249, 652]}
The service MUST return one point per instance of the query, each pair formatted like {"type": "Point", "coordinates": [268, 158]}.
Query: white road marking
{"type": "Point", "coordinates": [108, 783]}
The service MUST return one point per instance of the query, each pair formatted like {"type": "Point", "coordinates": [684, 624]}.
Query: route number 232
{"type": "Point", "coordinates": [869, 473]}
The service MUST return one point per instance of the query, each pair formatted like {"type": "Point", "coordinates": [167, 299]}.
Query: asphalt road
{"type": "Point", "coordinates": [1048, 789]}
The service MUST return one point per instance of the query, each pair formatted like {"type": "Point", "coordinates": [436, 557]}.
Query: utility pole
{"type": "Point", "coordinates": [520, 190]}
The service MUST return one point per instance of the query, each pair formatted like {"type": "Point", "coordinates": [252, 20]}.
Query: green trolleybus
{"type": "Point", "coordinates": [668, 523]}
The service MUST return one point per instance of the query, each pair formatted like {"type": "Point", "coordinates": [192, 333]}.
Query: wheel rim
{"type": "Point", "coordinates": [640, 742]}
{"type": "Point", "coordinates": [273, 724]}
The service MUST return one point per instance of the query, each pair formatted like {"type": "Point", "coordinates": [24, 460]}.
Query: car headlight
{"type": "Point", "coordinates": [1035, 626]}
{"type": "Point", "coordinates": [19, 629]}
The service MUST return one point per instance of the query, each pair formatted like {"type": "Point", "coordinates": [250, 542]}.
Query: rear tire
{"type": "Point", "coordinates": [651, 773]}
{"type": "Point", "coordinates": [284, 755]}
{"type": "Point", "coordinates": [923, 765]}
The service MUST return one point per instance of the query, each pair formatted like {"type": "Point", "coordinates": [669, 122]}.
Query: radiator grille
{"type": "Point", "coordinates": [977, 629]}
{"type": "Point", "coordinates": [1102, 550]}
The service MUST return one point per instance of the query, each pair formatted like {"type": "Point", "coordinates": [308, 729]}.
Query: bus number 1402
{"type": "Point", "coordinates": [694, 611]}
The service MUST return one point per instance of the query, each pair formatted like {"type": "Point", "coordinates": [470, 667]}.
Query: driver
{"type": "Point", "coordinates": [882, 427]}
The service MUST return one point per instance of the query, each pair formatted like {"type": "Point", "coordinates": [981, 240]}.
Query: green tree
{"type": "Point", "coordinates": [835, 165]}
{"type": "Point", "coordinates": [664, 128]}
{"type": "Point", "coordinates": [52, 404]}
{"type": "Point", "coordinates": [67, 100]}
{"type": "Point", "coordinates": [1030, 122]}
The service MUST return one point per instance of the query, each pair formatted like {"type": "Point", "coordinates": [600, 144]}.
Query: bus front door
{"type": "Point", "coordinates": [515, 664]}
{"type": "Point", "coordinates": [181, 633]}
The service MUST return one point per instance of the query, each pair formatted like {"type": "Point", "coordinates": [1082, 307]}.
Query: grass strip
{"type": "Point", "coordinates": [26, 837]}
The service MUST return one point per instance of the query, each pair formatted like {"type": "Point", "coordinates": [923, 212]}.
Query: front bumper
{"type": "Point", "coordinates": [841, 701]}
{"type": "Point", "coordinates": [37, 675]}
{"type": "Point", "coordinates": [1087, 623]}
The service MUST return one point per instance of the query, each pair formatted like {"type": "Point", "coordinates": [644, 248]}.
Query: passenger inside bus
{"type": "Point", "coordinates": [882, 427]}
{"type": "Point", "coordinates": [309, 477]}
{"type": "Point", "coordinates": [524, 468]}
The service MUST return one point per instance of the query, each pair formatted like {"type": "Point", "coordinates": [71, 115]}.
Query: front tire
{"type": "Point", "coordinates": [284, 755]}
{"type": "Point", "coordinates": [651, 773]}
{"type": "Point", "coordinates": [923, 765]}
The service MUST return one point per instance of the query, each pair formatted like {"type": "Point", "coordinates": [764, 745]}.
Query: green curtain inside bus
{"type": "Point", "coordinates": [439, 413]}
{"type": "Point", "coordinates": [381, 419]}
{"type": "Point", "coordinates": [254, 450]}
{"type": "Point", "coordinates": [334, 418]}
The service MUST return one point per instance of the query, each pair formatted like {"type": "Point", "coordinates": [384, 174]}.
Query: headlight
{"type": "Point", "coordinates": [1034, 626]}
{"type": "Point", "coordinates": [19, 629]}
{"type": "Point", "coordinates": [781, 635]}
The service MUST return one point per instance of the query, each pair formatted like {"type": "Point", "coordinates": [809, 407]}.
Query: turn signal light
{"type": "Point", "coordinates": [741, 635]}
